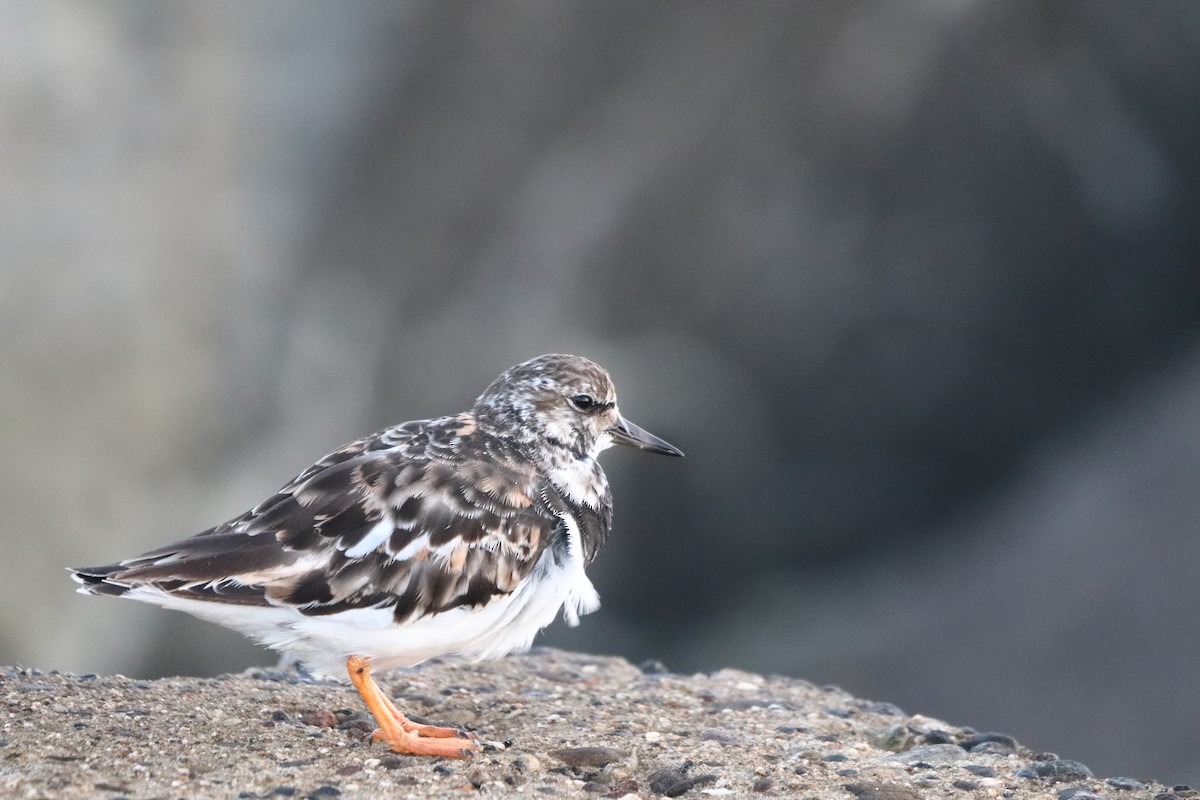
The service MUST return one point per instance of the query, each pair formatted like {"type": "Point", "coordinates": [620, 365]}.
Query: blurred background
{"type": "Point", "coordinates": [915, 285]}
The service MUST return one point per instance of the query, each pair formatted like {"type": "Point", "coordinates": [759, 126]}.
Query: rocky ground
{"type": "Point", "coordinates": [555, 724]}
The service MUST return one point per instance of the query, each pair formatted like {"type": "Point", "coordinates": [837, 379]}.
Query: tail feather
{"type": "Point", "coordinates": [97, 580]}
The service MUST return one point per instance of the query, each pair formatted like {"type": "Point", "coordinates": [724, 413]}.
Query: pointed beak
{"type": "Point", "coordinates": [626, 433]}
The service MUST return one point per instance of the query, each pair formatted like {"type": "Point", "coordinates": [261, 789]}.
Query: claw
{"type": "Point", "coordinates": [417, 745]}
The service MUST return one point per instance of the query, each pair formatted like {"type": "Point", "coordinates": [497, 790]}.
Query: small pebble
{"type": "Point", "coordinates": [934, 754]}
{"type": "Point", "coordinates": [965, 785]}
{"type": "Point", "coordinates": [360, 721]}
{"type": "Point", "coordinates": [881, 791]}
{"type": "Point", "coordinates": [894, 739]}
{"type": "Point", "coordinates": [1125, 783]}
{"type": "Point", "coordinates": [980, 770]}
{"type": "Point", "coordinates": [587, 756]}
{"type": "Point", "coordinates": [1063, 769]}
{"type": "Point", "coordinates": [750, 704]}
{"type": "Point", "coordinates": [969, 744]}
{"type": "Point", "coordinates": [624, 790]}
{"type": "Point", "coordinates": [979, 738]}
{"type": "Point", "coordinates": [528, 763]}
{"type": "Point", "coordinates": [674, 782]}
{"type": "Point", "coordinates": [1076, 793]}
{"type": "Point", "coordinates": [319, 718]}
{"type": "Point", "coordinates": [719, 736]}
{"type": "Point", "coordinates": [763, 785]}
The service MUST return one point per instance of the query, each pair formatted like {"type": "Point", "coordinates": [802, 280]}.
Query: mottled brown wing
{"type": "Point", "coordinates": [421, 537]}
{"type": "Point", "coordinates": [371, 529]}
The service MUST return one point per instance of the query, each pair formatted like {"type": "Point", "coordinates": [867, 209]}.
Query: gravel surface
{"type": "Point", "coordinates": [556, 724]}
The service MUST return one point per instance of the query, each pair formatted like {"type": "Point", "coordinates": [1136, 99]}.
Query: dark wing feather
{"type": "Point", "coordinates": [438, 534]}
{"type": "Point", "coordinates": [414, 519]}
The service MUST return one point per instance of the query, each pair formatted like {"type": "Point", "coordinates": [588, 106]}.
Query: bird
{"type": "Point", "coordinates": [463, 535]}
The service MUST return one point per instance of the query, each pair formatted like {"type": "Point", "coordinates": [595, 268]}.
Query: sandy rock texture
{"type": "Point", "coordinates": [555, 724]}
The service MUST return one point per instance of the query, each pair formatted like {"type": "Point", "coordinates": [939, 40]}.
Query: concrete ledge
{"type": "Point", "coordinates": [559, 725]}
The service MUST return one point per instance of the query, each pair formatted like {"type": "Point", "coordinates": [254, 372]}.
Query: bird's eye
{"type": "Point", "coordinates": [583, 402]}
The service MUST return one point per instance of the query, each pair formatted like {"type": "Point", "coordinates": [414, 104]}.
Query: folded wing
{"type": "Point", "coordinates": [363, 528]}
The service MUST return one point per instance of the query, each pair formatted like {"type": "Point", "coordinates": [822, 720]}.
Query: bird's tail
{"type": "Point", "coordinates": [98, 580]}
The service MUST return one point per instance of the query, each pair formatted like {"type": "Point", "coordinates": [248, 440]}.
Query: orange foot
{"type": "Point", "coordinates": [403, 735]}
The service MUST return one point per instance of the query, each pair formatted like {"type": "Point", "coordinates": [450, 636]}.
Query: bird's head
{"type": "Point", "coordinates": [564, 402]}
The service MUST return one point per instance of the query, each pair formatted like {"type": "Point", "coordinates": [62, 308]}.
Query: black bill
{"type": "Point", "coordinates": [626, 433]}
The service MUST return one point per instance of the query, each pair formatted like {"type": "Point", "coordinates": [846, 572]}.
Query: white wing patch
{"type": "Point", "coordinates": [378, 534]}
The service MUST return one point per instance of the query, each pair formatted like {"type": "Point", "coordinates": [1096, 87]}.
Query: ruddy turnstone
{"type": "Point", "coordinates": [462, 535]}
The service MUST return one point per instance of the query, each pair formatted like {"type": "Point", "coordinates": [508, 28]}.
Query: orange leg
{"type": "Point", "coordinates": [400, 733]}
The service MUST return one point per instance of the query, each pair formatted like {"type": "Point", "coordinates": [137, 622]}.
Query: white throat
{"type": "Point", "coordinates": [581, 480]}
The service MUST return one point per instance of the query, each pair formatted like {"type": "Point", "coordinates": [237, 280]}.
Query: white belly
{"type": "Point", "coordinates": [323, 643]}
